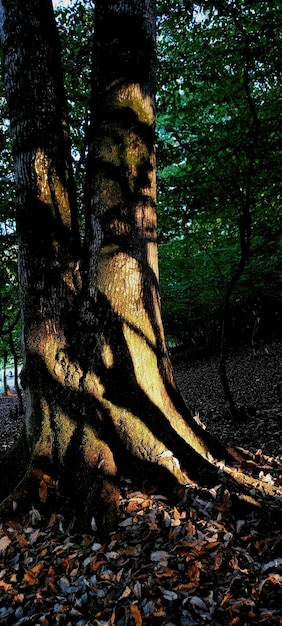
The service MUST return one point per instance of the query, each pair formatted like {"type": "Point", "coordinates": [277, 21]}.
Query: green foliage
{"type": "Point", "coordinates": [219, 146]}
{"type": "Point", "coordinates": [75, 23]}
{"type": "Point", "coordinates": [9, 304]}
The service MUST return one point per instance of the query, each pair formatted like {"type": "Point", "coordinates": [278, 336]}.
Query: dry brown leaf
{"type": "Point", "coordinates": [37, 473]}
{"type": "Point", "coordinates": [228, 596]}
{"type": "Point", "coordinates": [49, 584]}
{"type": "Point", "coordinates": [43, 489]}
{"type": "Point", "coordinates": [5, 586]}
{"type": "Point", "coordinates": [136, 614]}
{"type": "Point", "coordinates": [52, 520]}
{"type": "Point", "coordinates": [194, 572]}
{"type": "Point", "coordinates": [176, 513]}
{"type": "Point", "coordinates": [119, 575]}
{"type": "Point", "coordinates": [19, 598]}
{"type": "Point", "coordinates": [167, 519]}
{"type": "Point", "coordinates": [96, 564]}
{"type": "Point", "coordinates": [132, 550]}
{"type": "Point", "coordinates": [159, 613]}
{"type": "Point", "coordinates": [22, 541]}
{"type": "Point", "coordinates": [13, 578]}
{"type": "Point", "coordinates": [276, 579]}
{"type": "Point", "coordinates": [126, 592]}
{"type": "Point", "coordinates": [186, 587]}
{"type": "Point", "coordinates": [4, 543]}
{"type": "Point", "coordinates": [133, 505]}
{"type": "Point", "coordinates": [217, 561]}
{"type": "Point", "coordinates": [147, 503]}
{"type": "Point", "coordinates": [47, 479]}
{"type": "Point", "coordinates": [30, 578]}
{"type": "Point", "coordinates": [166, 573]}
{"type": "Point", "coordinates": [211, 545]}
{"type": "Point", "coordinates": [191, 530]}
{"type": "Point", "coordinates": [37, 568]}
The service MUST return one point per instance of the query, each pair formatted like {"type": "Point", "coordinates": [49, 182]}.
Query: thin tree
{"type": "Point", "coordinates": [101, 398]}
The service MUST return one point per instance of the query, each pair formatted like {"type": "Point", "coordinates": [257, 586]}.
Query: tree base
{"type": "Point", "coordinates": [92, 496]}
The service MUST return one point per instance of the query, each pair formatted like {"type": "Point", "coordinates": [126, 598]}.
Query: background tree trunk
{"type": "Point", "coordinates": [7, 390]}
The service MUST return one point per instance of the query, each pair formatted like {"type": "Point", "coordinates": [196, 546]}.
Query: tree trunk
{"type": "Point", "coordinates": [102, 402]}
{"type": "Point", "coordinates": [7, 390]}
{"type": "Point", "coordinates": [49, 247]}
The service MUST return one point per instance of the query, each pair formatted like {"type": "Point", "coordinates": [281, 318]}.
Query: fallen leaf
{"type": "Point", "coordinates": [22, 541]}
{"type": "Point", "coordinates": [37, 568]}
{"type": "Point", "coordinates": [272, 564]}
{"type": "Point", "coordinates": [19, 598]}
{"type": "Point", "coordinates": [30, 578]}
{"type": "Point", "coordinates": [35, 516]}
{"type": "Point", "coordinates": [136, 614]}
{"type": "Point", "coordinates": [34, 536]}
{"type": "Point", "coordinates": [160, 555]}
{"type": "Point", "coordinates": [137, 589]}
{"type": "Point", "coordinates": [43, 489]}
{"type": "Point", "coordinates": [112, 555]}
{"type": "Point", "coordinates": [126, 522]}
{"type": "Point", "coordinates": [4, 585]}
{"type": "Point", "coordinates": [169, 595]}
{"type": "Point", "coordinates": [126, 592]}
{"type": "Point", "coordinates": [4, 543]}
{"type": "Point", "coordinates": [273, 578]}
{"type": "Point", "coordinates": [198, 603]}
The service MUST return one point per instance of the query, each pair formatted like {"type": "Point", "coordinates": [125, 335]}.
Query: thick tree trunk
{"type": "Point", "coordinates": [49, 248]}
{"type": "Point", "coordinates": [101, 398]}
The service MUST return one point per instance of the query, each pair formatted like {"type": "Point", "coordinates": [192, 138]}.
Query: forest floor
{"type": "Point", "coordinates": [195, 563]}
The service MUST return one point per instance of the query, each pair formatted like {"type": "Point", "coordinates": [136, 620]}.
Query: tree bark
{"type": "Point", "coordinates": [102, 402]}
{"type": "Point", "coordinates": [49, 247]}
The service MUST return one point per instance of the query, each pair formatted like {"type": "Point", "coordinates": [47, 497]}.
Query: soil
{"type": "Point", "coordinates": [255, 380]}
{"type": "Point", "coordinates": [256, 383]}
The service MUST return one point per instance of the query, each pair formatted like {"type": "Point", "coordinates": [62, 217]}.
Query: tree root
{"type": "Point", "coordinates": [93, 498]}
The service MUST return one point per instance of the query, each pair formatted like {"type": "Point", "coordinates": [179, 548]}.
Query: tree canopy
{"type": "Point", "coordinates": [219, 148]}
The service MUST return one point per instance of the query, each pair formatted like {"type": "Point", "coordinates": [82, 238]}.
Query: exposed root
{"type": "Point", "coordinates": [91, 495]}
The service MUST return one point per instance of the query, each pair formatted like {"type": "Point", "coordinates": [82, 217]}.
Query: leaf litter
{"type": "Point", "coordinates": [164, 565]}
